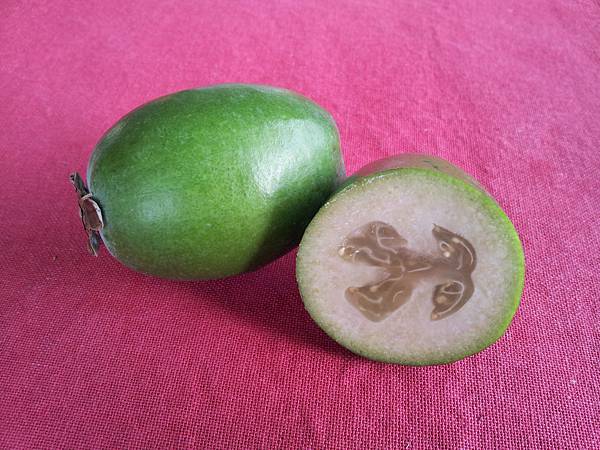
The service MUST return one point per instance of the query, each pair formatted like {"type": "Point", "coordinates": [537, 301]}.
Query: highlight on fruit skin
{"type": "Point", "coordinates": [210, 182]}
{"type": "Point", "coordinates": [411, 262]}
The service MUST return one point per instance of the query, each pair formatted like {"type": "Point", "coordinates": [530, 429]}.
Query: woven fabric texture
{"type": "Point", "coordinates": [94, 355]}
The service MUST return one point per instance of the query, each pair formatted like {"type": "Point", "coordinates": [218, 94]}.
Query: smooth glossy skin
{"type": "Point", "coordinates": [414, 161]}
{"type": "Point", "coordinates": [212, 182]}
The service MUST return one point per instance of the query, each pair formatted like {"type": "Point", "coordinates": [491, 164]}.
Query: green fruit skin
{"type": "Point", "coordinates": [208, 183]}
{"type": "Point", "coordinates": [393, 166]}
{"type": "Point", "coordinates": [411, 161]}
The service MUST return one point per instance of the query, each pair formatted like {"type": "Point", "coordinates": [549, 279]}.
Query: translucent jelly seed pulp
{"type": "Point", "coordinates": [378, 244]}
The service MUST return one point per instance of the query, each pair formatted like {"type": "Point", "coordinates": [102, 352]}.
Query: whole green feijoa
{"type": "Point", "coordinates": [207, 183]}
{"type": "Point", "coordinates": [411, 262]}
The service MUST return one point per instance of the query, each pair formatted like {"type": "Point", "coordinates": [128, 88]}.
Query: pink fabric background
{"type": "Point", "coordinates": [93, 355]}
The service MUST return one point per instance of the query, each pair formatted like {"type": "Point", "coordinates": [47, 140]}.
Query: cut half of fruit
{"type": "Point", "coordinates": [411, 262]}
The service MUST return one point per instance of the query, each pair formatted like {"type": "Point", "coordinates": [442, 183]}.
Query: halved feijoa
{"type": "Point", "coordinates": [411, 262]}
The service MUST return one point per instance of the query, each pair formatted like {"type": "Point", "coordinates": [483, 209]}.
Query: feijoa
{"type": "Point", "coordinates": [206, 183]}
{"type": "Point", "coordinates": [411, 262]}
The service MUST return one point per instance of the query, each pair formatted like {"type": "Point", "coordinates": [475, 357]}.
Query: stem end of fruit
{"type": "Point", "coordinates": [90, 213]}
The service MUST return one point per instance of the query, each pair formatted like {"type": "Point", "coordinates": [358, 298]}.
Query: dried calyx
{"type": "Point", "coordinates": [90, 213]}
{"type": "Point", "coordinates": [379, 244]}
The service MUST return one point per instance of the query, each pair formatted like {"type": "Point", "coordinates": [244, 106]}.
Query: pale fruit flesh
{"type": "Point", "coordinates": [411, 266]}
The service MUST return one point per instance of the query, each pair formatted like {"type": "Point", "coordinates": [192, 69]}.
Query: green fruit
{"type": "Point", "coordinates": [411, 262]}
{"type": "Point", "coordinates": [207, 183]}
